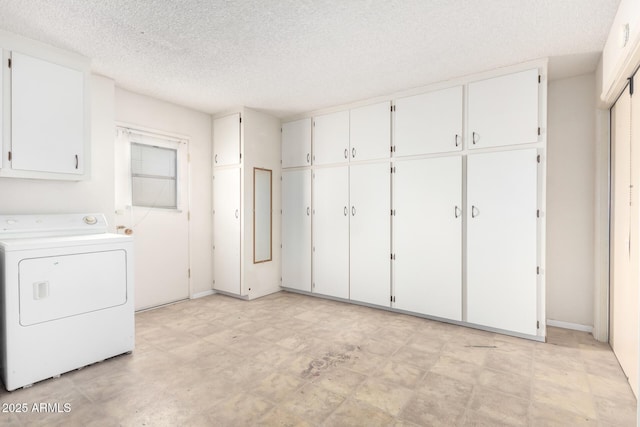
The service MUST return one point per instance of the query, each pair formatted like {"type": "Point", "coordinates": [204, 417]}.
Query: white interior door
{"type": "Point", "coordinates": [370, 132]}
{"type": "Point", "coordinates": [152, 187]}
{"type": "Point", "coordinates": [370, 232]}
{"type": "Point", "coordinates": [427, 230]}
{"type": "Point", "coordinates": [296, 143]}
{"type": "Point", "coordinates": [331, 231]}
{"type": "Point", "coordinates": [429, 123]}
{"type": "Point", "coordinates": [296, 229]}
{"type": "Point", "coordinates": [331, 138]}
{"type": "Point", "coordinates": [226, 230]}
{"type": "Point", "coordinates": [502, 240]}
{"type": "Point", "coordinates": [226, 140]}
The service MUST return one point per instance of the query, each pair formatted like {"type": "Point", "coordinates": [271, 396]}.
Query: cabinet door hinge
{"type": "Point", "coordinates": [538, 131]}
{"type": "Point", "coordinates": [538, 213]}
{"type": "Point", "coordinates": [539, 78]}
{"type": "Point", "coordinates": [537, 324]}
{"type": "Point", "coordinates": [9, 62]}
{"type": "Point", "coordinates": [538, 158]}
{"type": "Point", "coordinates": [392, 298]}
{"type": "Point", "coordinates": [240, 119]}
{"type": "Point", "coordinates": [537, 270]}
{"type": "Point", "coordinates": [393, 212]}
{"type": "Point", "coordinates": [189, 273]}
{"type": "Point", "coordinates": [9, 155]}
{"type": "Point", "coordinates": [188, 215]}
{"type": "Point", "coordinates": [393, 256]}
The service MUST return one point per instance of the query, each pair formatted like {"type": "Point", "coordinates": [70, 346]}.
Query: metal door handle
{"type": "Point", "coordinates": [457, 136]}
{"type": "Point", "coordinates": [346, 153]}
{"type": "Point", "coordinates": [353, 211]}
{"type": "Point", "coordinates": [308, 210]}
{"type": "Point", "coordinates": [474, 212]}
{"type": "Point", "coordinates": [457, 211]}
{"type": "Point", "coordinates": [237, 213]}
{"type": "Point", "coordinates": [346, 212]}
{"type": "Point", "coordinates": [215, 159]}
{"type": "Point", "coordinates": [308, 157]}
{"type": "Point", "coordinates": [353, 152]}
{"type": "Point", "coordinates": [473, 137]}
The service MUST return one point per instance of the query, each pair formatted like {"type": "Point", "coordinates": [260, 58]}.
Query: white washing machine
{"type": "Point", "coordinates": [66, 295]}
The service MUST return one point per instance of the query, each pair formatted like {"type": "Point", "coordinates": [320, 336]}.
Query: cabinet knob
{"type": "Point", "coordinates": [474, 137]}
{"type": "Point", "coordinates": [308, 157]}
{"type": "Point", "coordinates": [457, 212]}
{"type": "Point", "coordinates": [76, 161]}
{"type": "Point", "coordinates": [308, 211]}
{"type": "Point", "coordinates": [353, 152]}
{"type": "Point", "coordinates": [474, 211]}
{"type": "Point", "coordinates": [346, 153]}
{"type": "Point", "coordinates": [237, 213]}
{"type": "Point", "coordinates": [346, 211]}
{"type": "Point", "coordinates": [215, 158]}
{"type": "Point", "coordinates": [353, 211]}
{"type": "Point", "coordinates": [457, 140]}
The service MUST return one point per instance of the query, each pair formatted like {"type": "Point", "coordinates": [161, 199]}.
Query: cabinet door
{"type": "Point", "coordinates": [504, 110]}
{"type": "Point", "coordinates": [370, 132]}
{"type": "Point", "coordinates": [226, 140]}
{"type": "Point", "coordinates": [331, 138]}
{"type": "Point", "coordinates": [331, 231]}
{"type": "Point", "coordinates": [296, 143]}
{"type": "Point", "coordinates": [296, 230]}
{"type": "Point", "coordinates": [47, 116]}
{"type": "Point", "coordinates": [370, 196]}
{"type": "Point", "coordinates": [427, 230]}
{"type": "Point", "coordinates": [501, 240]}
{"type": "Point", "coordinates": [429, 123]}
{"type": "Point", "coordinates": [226, 230]}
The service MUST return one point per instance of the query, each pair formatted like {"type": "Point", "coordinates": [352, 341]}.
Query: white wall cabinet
{"type": "Point", "coordinates": [370, 264]}
{"type": "Point", "coordinates": [331, 138]}
{"type": "Point", "coordinates": [370, 132]}
{"type": "Point", "coordinates": [503, 110]}
{"type": "Point", "coordinates": [501, 240]}
{"type": "Point", "coordinates": [296, 229]}
{"type": "Point", "coordinates": [226, 228]}
{"type": "Point", "coordinates": [429, 123]}
{"type": "Point", "coordinates": [296, 143]}
{"type": "Point", "coordinates": [226, 137]}
{"type": "Point", "coordinates": [427, 236]}
{"type": "Point", "coordinates": [331, 231]}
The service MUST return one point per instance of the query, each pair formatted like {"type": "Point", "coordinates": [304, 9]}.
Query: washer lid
{"type": "Point", "coordinates": [28, 226]}
{"type": "Point", "coordinates": [19, 244]}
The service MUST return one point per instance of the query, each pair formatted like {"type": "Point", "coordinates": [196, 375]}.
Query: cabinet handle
{"type": "Point", "coordinates": [237, 213]}
{"type": "Point", "coordinates": [353, 152]}
{"type": "Point", "coordinates": [346, 153]}
{"type": "Point", "coordinates": [76, 161]}
{"type": "Point", "coordinates": [457, 137]}
{"type": "Point", "coordinates": [473, 138]}
{"type": "Point", "coordinates": [308, 157]}
{"type": "Point", "coordinates": [346, 211]}
{"type": "Point", "coordinates": [308, 210]}
{"type": "Point", "coordinates": [353, 211]}
{"type": "Point", "coordinates": [215, 158]}
{"type": "Point", "coordinates": [457, 212]}
{"type": "Point", "coordinates": [474, 212]}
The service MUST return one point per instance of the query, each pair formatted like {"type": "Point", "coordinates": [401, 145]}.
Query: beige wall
{"type": "Point", "coordinates": [570, 199]}
{"type": "Point", "coordinates": [154, 114]}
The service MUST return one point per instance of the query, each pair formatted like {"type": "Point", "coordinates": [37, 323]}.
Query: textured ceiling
{"type": "Point", "coordinates": [292, 56]}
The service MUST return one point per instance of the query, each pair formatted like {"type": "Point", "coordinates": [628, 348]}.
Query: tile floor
{"type": "Point", "coordinates": [289, 359]}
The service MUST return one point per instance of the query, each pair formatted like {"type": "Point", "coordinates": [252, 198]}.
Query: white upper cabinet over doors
{"type": "Point", "coordinates": [226, 137]}
{"type": "Point", "coordinates": [370, 232]}
{"type": "Point", "coordinates": [331, 138]}
{"type": "Point", "coordinates": [501, 240]}
{"type": "Point", "coordinates": [226, 226]}
{"type": "Point", "coordinates": [370, 132]}
{"type": "Point", "coordinates": [429, 123]}
{"type": "Point", "coordinates": [427, 236]}
{"type": "Point", "coordinates": [296, 229]}
{"type": "Point", "coordinates": [296, 143]}
{"type": "Point", "coordinates": [503, 110]}
{"type": "Point", "coordinates": [47, 116]}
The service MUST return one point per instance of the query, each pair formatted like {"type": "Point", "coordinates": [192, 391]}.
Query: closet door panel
{"type": "Point", "coordinates": [370, 132]}
{"type": "Point", "coordinates": [296, 143]}
{"type": "Point", "coordinates": [370, 232]}
{"type": "Point", "coordinates": [331, 231]}
{"type": "Point", "coordinates": [226, 140]}
{"type": "Point", "coordinates": [226, 230]}
{"type": "Point", "coordinates": [331, 138]}
{"type": "Point", "coordinates": [502, 240]}
{"type": "Point", "coordinates": [429, 123]}
{"type": "Point", "coordinates": [296, 230]}
{"type": "Point", "coordinates": [503, 110]}
{"type": "Point", "coordinates": [427, 236]}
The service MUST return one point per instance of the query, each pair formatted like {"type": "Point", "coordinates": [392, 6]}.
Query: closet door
{"type": "Point", "coordinates": [226, 140]}
{"type": "Point", "coordinates": [503, 110]}
{"type": "Point", "coordinates": [370, 132]}
{"type": "Point", "coordinates": [226, 230]}
{"type": "Point", "coordinates": [502, 240]}
{"type": "Point", "coordinates": [370, 232]}
{"type": "Point", "coordinates": [331, 231]}
{"type": "Point", "coordinates": [429, 123]}
{"type": "Point", "coordinates": [331, 138]}
{"type": "Point", "coordinates": [296, 230]}
{"type": "Point", "coordinates": [296, 143]}
{"type": "Point", "coordinates": [427, 236]}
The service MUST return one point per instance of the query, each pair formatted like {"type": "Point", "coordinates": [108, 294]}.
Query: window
{"type": "Point", "coordinates": [154, 176]}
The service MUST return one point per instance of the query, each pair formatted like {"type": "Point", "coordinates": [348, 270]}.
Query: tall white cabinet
{"type": "Point", "coordinates": [445, 219]}
{"type": "Point", "coordinates": [243, 140]}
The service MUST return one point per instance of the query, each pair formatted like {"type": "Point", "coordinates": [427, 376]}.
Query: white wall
{"type": "Point", "coordinates": [571, 153]}
{"type": "Point", "coordinates": [30, 196]}
{"type": "Point", "coordinates": [152, 113]}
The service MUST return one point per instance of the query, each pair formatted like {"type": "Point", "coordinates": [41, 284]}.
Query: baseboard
{"type": "Point", "coordinates": [568, 325]}
{"type": "Point", "coordinates": [203, 294]}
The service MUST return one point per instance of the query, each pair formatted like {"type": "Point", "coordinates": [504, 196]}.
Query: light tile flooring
{"type": "Point", "coordinates": [289, 359]}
